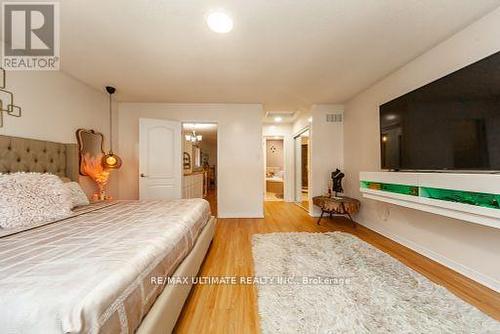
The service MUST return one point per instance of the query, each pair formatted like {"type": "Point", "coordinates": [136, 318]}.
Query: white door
{"type": "Point", "coordinates": [160, 166]}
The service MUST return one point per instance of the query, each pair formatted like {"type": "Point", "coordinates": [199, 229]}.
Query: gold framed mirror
{"type": "Point", "coordinates": [90, 142]}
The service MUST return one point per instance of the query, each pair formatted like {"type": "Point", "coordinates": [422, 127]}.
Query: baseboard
{"type": "Point", "coordinates": [485, 280]}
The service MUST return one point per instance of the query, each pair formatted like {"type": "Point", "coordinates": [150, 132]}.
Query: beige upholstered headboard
{"type": "Point", "coordinates": [31, 155]}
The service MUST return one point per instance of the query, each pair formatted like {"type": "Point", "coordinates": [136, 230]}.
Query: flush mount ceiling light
{"type": "Point", "coordinates": [220, 22]}
{"type": "Point", "coordinates": [278, 119]}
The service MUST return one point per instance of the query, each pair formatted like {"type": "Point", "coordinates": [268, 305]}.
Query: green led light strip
{"type": "Point", "coordinates": [465, 197]}
{"type": "Point", "coordinates": [457, 196]}
{"type": "Point", "coordinates": [391, 187]}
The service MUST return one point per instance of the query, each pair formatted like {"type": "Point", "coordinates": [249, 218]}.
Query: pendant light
{"type": "Point", "coordinates": [111, 160]}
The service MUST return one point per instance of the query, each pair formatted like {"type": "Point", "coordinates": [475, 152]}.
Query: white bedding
{"type": "Point", "coordinates": [91, 273]}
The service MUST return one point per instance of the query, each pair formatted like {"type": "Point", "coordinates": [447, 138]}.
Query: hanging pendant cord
{"type": "Point", "coordinates": [110, 126]}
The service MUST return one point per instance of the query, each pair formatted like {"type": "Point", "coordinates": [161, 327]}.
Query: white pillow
{"type": "Point", "coordinates": [32, 198]}
{"type": "Point", "coordinates": [78, 197]}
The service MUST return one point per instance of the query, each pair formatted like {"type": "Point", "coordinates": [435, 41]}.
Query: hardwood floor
{"type": "Point", "coordinates": [212, 199]}
{"type": "Point", "coordinates": [232, 308]}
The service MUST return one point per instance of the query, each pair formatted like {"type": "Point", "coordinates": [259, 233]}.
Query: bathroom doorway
{"type": "Point", "coordinates": [302, 168]}
{"type": "Point", "coordinates": [275, 168]}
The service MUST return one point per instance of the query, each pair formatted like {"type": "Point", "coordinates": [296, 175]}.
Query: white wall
{"type": "Point", "coordinates": [240, 164]}
{"type": "Point", "coordinates": [326, 143]}
{"type": "Point", "coordinates": [285, 131]}
{"type": "Point", "coordinates": [54, 105]}
{"type": "Point", "coordinates": [471, 249]}
{"type": "Point", "coordinates": [301, 122]}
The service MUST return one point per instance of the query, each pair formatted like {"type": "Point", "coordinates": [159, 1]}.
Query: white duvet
{"type": "Point", "coordinates": [92, 272]}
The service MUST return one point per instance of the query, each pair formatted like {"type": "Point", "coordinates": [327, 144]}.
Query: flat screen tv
{"type": "Point", "coordinates": [452, 123]}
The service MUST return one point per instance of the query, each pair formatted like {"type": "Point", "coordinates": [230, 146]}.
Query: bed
{"type": "Point", "coordinates": [104, 268]}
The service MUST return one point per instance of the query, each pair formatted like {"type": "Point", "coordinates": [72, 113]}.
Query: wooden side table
{"type": "Point", "coordinates": [344, 206]}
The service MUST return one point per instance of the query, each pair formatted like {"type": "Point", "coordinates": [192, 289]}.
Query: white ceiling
{"type": "Point", "coordinates": [286, 54]}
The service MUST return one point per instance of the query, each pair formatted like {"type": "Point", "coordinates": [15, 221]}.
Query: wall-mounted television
{"type": "Point", "coordinates": [452, 123]}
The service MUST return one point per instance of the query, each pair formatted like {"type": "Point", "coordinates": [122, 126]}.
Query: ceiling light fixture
{"type": "Point", "coordinates": [220, 22]}
{"type": "Point", "coordinates": [193, 137]}
{"type": "Point", "coordinates": [278, 119]}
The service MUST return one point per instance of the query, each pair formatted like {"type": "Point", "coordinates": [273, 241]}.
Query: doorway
{"type": "Point", "coordinates": [302, 168]}
{"type": "Point", "coordinates": [200, 154]}
{"type": "Point", "coordinates": [274, 168]}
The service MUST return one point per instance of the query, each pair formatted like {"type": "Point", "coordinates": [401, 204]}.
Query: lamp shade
{"type": "Point", "coordinates": [111, 161]}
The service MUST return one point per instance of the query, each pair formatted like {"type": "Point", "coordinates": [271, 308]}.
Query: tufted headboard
{"type": "Point", "coordinates": [31, 155]}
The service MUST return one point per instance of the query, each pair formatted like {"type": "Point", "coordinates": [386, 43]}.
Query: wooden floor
{"type": "Point", "coordinates": [212, 199]}
{"type": "Point", "coordinates": [232, 309]}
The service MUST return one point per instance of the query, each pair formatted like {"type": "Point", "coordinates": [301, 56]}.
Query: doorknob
{"type": "Point", "coordinates": [142, 175]}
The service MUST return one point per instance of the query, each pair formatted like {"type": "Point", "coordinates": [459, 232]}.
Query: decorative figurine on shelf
{"type": "Point", "coordinates": [337, 177]}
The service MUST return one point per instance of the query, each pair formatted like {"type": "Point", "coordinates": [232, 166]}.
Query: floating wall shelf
{"type": "Point", "coordinates": [469, 197]}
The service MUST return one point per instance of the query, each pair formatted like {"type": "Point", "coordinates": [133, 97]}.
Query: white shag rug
{"type": "Point", "coordinates": [373, 293]}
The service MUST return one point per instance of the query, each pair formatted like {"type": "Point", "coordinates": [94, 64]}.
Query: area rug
{"type": "Point", "coordinates": [337, 283]}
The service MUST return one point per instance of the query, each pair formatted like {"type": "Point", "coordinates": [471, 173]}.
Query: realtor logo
{"type": "Point", "coordinates": [30, 36]}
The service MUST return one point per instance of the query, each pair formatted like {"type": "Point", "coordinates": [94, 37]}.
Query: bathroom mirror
{"type": "Point", "coordinates": [90, 143]}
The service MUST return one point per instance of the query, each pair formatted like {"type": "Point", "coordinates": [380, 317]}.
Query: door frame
{"type": "Point", "coordinates": [218, 153]}
{"type": "Point", "coordinates": [285, 169]}
{"type": "Point", "coordinates": [295, 185]}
